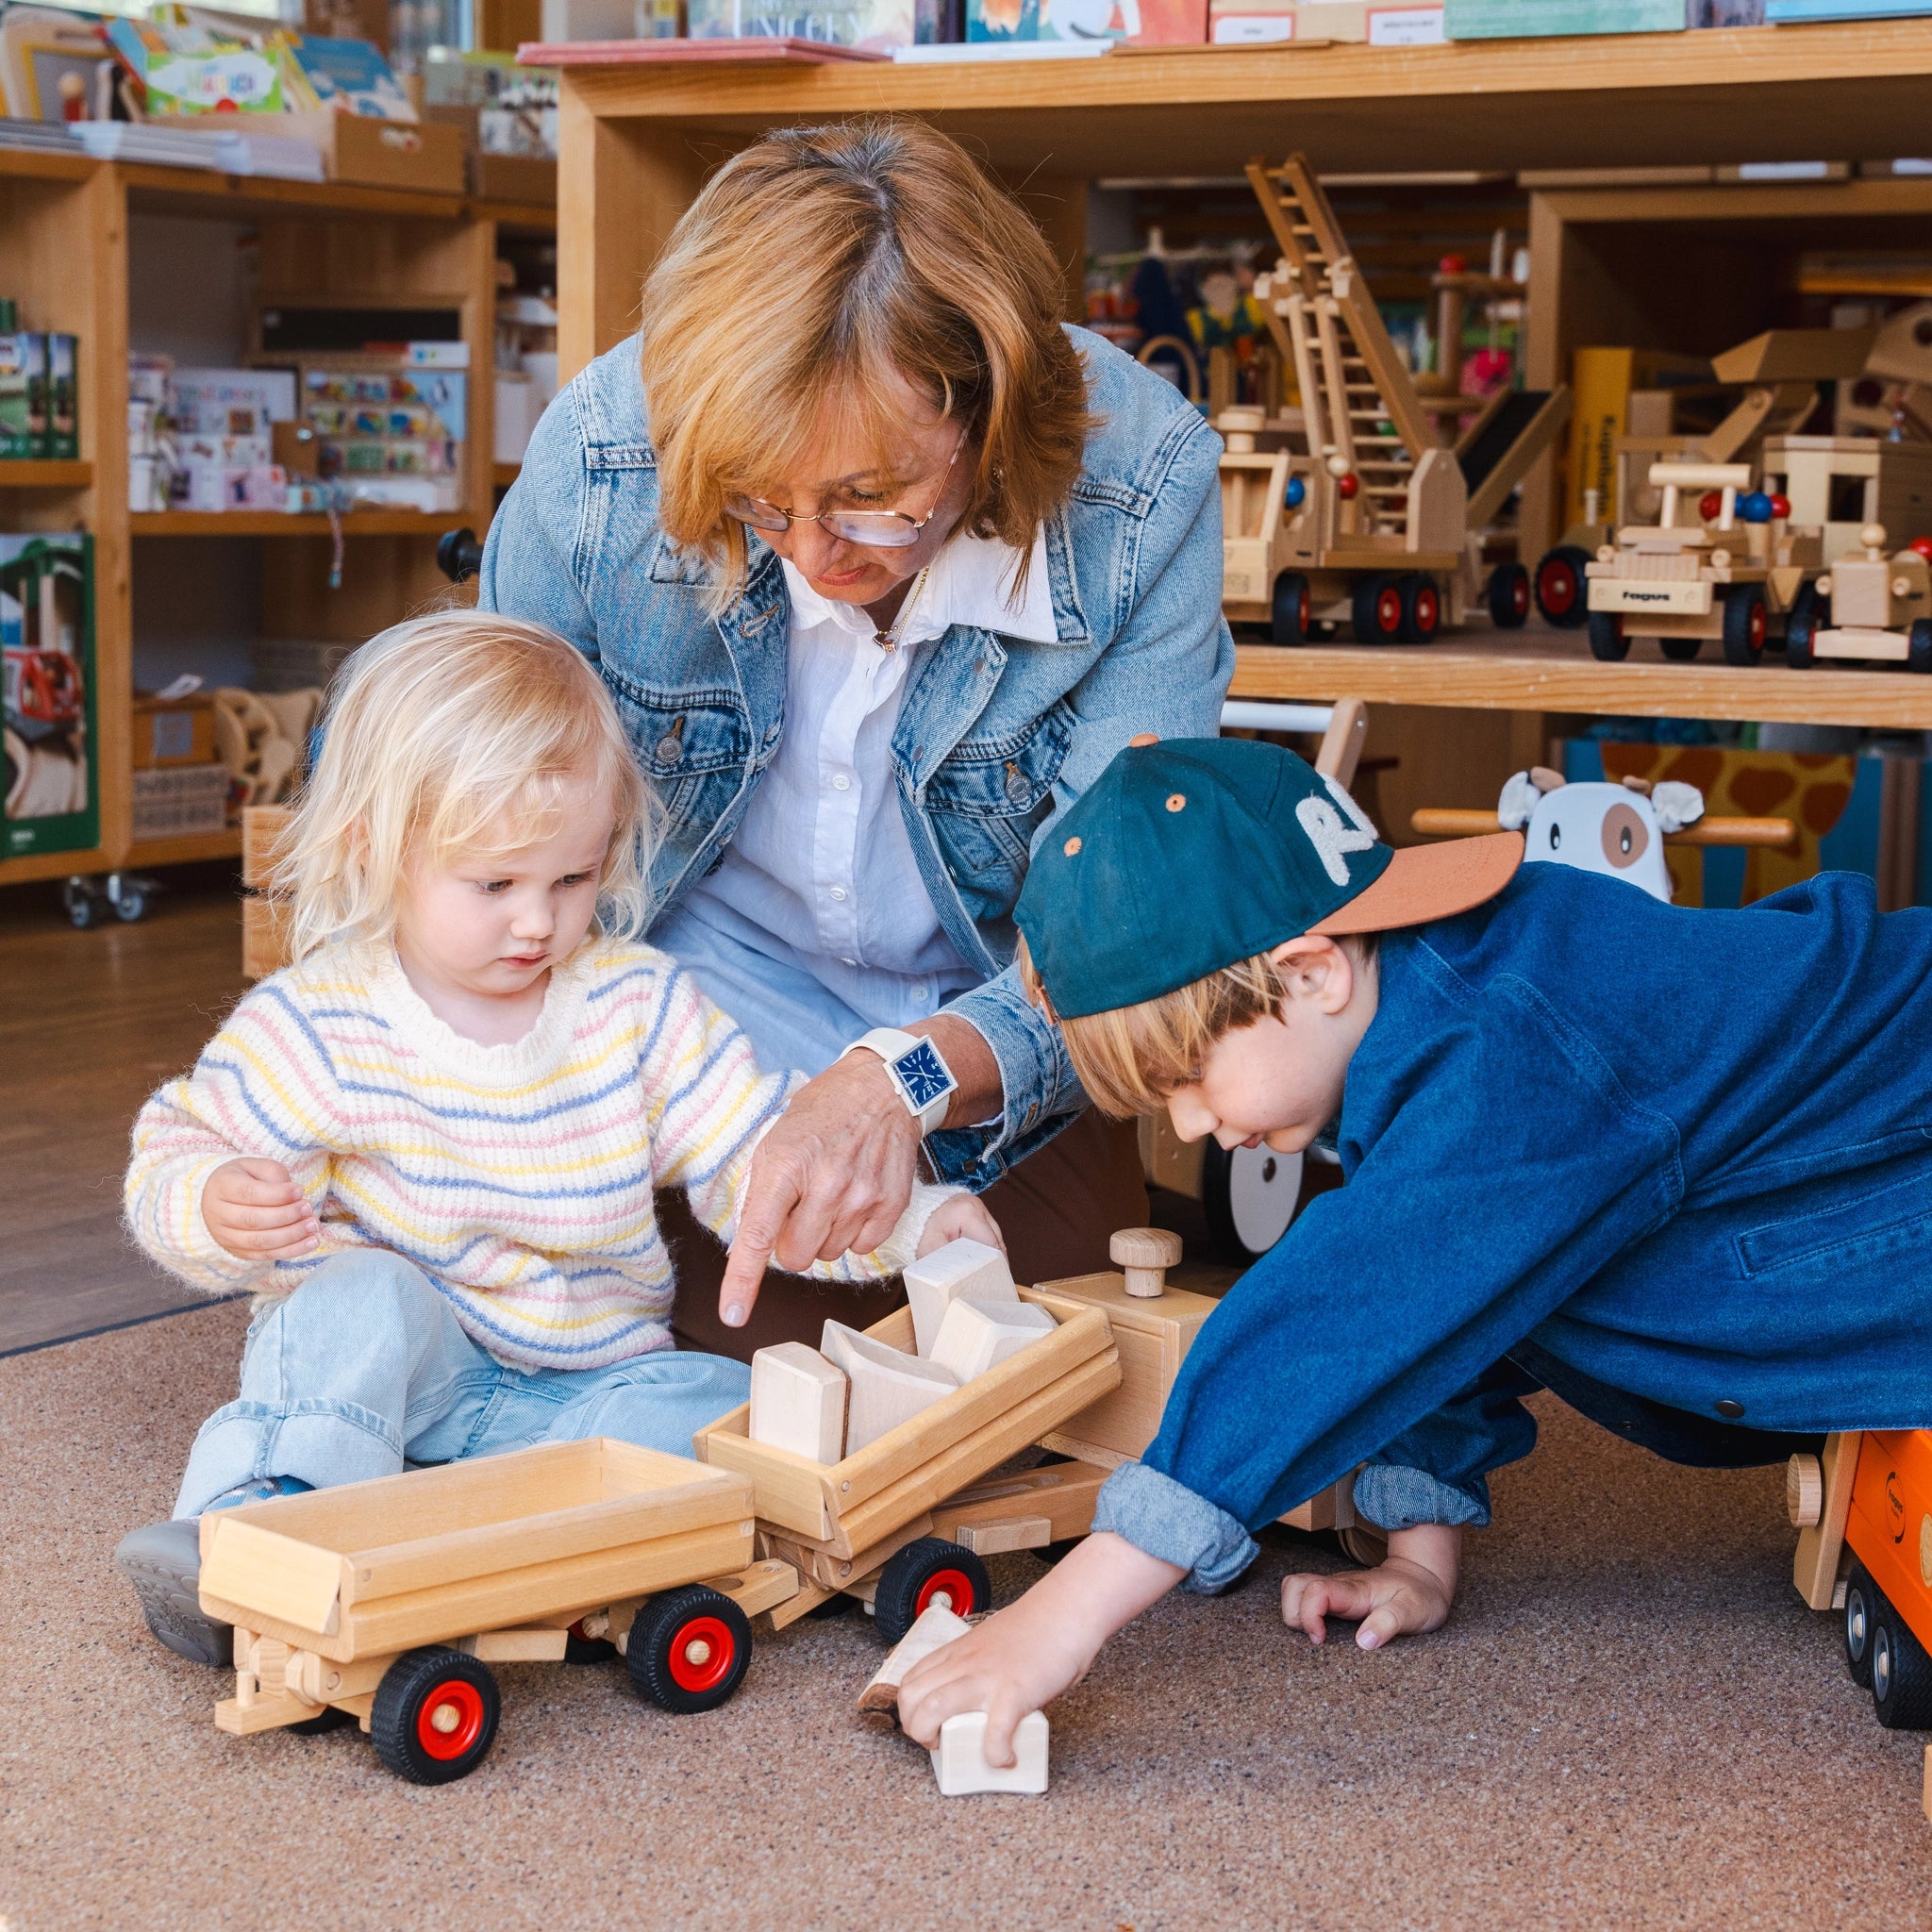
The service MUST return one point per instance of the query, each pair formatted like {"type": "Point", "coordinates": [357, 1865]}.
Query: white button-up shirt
{"type": "Point", "coordinates": [821, 877]}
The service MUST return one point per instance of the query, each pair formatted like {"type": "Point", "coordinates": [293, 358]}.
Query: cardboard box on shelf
{"type": "Point", "coordinates": [419, 154]}
{"type": "Point", "coordinates": [178, 800]}
{"type": "Point", "coordinates": [173, 731]}
{"type": "Point", "coordinates": [1601, 380]}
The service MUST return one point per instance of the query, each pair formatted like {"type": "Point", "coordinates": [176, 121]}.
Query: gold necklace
{"type": "Point", "coordinates": [888, 640]}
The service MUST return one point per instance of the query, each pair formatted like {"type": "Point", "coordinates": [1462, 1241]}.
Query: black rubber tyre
{"type": "Point", "coordinates": [1509, 597]}
{"type": "Point", "coordinates": [1289, 608]}
{"type": "Point", "coordinates": [1422, 608]}
{"type": "Point", "coordinates": [323, 1723]}
{"type": "Point", "coordinates": [689, 1649]}
{"type": "Point", "coordinates": [1809, 613]}
{"type": "Point", "coordinates": [1919, 645]}
{"type": "Point", "coordinates": [435, 1714]}
{"type": "Point", "coordinates": [1744, 626]}
{"type": "Point", "coordinates": [923, 1573]}
{"type": "Point", "coordinates": [1375, 610]}
{"type": "Point", "coordinates": [1680, 650]}
{"type": "Point", "coordinates": [1561, 589]}
{"type": "Point", "coordinates": [1901, 1672]}
{"type": "Point", "coordinates": [1606, 639]}
{"type": "Point", "coordinates": [1861, 1595]}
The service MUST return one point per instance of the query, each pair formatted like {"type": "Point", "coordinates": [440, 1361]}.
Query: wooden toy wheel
{"type": "Point", "coordinates": [930, 1572]}
{"type": "Point", "coordinates": [1744, 626]}
{"type": "Point", "coordinates": [1509, 597]}
{"type": "Point", "coordinates": [1859, 1599]}
{"type": "Point", "coordinates": [434, 1718]}
{"type": "Point", "coordinates": [1422, 608]}
{"type": "Point", "coordinates": [1901, 1672]}
{"type": "Point", "coordinates": [1290, 608]}
{"type": "Point", "coordinates": [1608, 641]}
{"type": "Point", "coordinates": [1807, 617]}
{"type": "Point", "coordinates": [1680, 650]}
{"type": "Point", "coordinates": [1377, 610]}
{"type": "Point", "coordinates": [1561, 588]}
{"type": "Point", "coordinates": [689, 1649]}
{"type": "Point", "coordinates": [1919, 645]}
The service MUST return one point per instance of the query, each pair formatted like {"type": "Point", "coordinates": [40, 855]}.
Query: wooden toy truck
{"type": "Point", "coordinates": [1370, 520]}
{"type": "Point", "coordinates": [1864, 1515]}
{"type": "Point", "coordinates": [1872, 607]}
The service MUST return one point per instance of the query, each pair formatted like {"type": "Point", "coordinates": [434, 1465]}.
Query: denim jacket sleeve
{"type": "Point", "coordinates": [1166, 671]}
{"type": "Point", "coordinates": [1504, 1166]}
{"type": "Point", "coordinates": [531, 557]}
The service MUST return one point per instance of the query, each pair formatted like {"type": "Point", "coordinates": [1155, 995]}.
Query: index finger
{"type": "Point", "coordinates": [769, 1196]}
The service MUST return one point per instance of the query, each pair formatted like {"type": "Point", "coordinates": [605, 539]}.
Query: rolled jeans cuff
{"type": "Point", "coordinates": [1156, 1514]}
{"type": "Point", "coordinates": [1395, 1498]}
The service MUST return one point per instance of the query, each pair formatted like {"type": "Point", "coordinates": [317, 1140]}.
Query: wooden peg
{"type": "Point", "coordinates": [1144, 1254]}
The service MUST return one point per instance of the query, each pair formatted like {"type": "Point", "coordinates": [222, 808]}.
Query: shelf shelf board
{"type": "Point", "coordinates": [47, 474]}
{"type": "Point", "coordinates": [1555, 671]}
{"type": "Point", "coordinates": [18, 163]}
{"type": "Point", "coordinates": [504, 474]}
{"type": "Point", "coordinates": [268, 523]}
{"type": "Point", "coordinates": [517, 214]}
{"type": "Point", "coordinates": [203, 191]}
{"type": "Point", "coordinates": [31, 866]}
{"type": "Point", "coordinates": [184, 849]}
{"type": "Point", "coordinates": [1841, 89]}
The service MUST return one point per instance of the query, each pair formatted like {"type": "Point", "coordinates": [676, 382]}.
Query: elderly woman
{"type": "Point", "coordinates": [882, 564]}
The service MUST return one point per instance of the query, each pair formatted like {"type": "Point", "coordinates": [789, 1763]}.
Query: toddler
{"type": "Point", "coordinates": [430, 1144]}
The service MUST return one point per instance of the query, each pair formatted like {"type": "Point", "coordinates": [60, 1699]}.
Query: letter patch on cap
{"type": "Point", "coordinates": [1331, 837]}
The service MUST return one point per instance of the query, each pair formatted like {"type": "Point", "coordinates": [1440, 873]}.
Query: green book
{"type": "Point", "coordinates": [1496, 20]}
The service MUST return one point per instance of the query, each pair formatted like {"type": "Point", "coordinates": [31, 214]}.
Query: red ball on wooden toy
{"type": "Point", "coordinates": [1345, 487]}
{"type": "Point", "coordinates": [1709, 505]}
{"type": "Point", "coordinates": [1780, 506]}
{"type": "Point", "coordinates": [1924, 546]}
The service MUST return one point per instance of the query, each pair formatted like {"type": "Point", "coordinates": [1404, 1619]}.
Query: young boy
{"type": "Point", "coordinates": [1674, 1165]}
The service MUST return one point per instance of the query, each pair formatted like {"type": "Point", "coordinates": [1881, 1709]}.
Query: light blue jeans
{"type": "Point", "coordinates": [364, 1369]}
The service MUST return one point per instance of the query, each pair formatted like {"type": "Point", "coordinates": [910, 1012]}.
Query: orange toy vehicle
{"type": "Point", "coordinates": [1866, 1513]}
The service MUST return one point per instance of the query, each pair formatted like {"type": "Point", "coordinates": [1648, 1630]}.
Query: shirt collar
{"type": "Point", "coordinates": [971, 581]}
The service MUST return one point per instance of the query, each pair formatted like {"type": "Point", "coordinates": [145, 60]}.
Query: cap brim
{"type": "Point", "coordinates": [1425, 882]}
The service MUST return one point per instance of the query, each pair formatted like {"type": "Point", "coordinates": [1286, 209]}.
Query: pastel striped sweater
{"type": "Point", "coordinates": [518, 1177]}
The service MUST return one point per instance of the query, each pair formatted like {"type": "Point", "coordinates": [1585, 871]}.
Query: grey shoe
{"type": "Point", "coordinates": [163, 1563]}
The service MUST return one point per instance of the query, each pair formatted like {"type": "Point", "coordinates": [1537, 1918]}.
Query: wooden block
{"type": "Point", "coordinates": [288, 1581]}
{"type": "Point", "coordinates": [1061, 1495]}
{"type": "Point", "coordinates": [958, 1761]}
{"type": "Point", "coordinates": [979, 1333]}
{"type": "Point", "coordinates": [532, 1644]}
{"type": "Point", "coordinates": [1011, 1533]}
{"type": "Point", "coordinates": [264, 1714]}
{"type": "Point", "coordinates": [265, 938]}
{"type": "Point", "coordinates": [935, 1628]}
{"type": "Point", "coordinates": [959, 1267]}
{"type": "Point", "coordinates": [887, 1388]}
{"type": "Point", "coordinates": [798, 1402]}
{"type": "Point", "coordinates": [263, 829]}
{"type": "Point", "coordinates": [1814, 1565]}
{"type": "Point", "coordinates": [808, 1598]}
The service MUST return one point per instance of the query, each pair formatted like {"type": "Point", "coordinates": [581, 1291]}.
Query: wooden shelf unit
{"type": "Point", "coordinates": [64, 240]}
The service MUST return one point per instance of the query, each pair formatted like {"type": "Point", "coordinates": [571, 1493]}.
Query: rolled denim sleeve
{"type": "Point", "coordinates": [1155, 1514]}
{"type": "Point", "coordinates": [537, 539]}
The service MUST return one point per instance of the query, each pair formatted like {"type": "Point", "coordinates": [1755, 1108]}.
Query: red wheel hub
{"type": "Point", "coordinates": [1429, 609]}
{"type": "Point", "coordinates": [702, 1654]}
{"type": "Point", "coordinates": [450, 1719]}
{"type": "Point", "coordinates": [1758, 622]}
{"type": "Point", "coordinates": [1389, 612]}
{"type": "Point", "coordinates": [1301, 611]}
{"type": "Point", "coordinates": [1519, 596]}
{"type": "Point", "coordinates": [1555, 587]}
{"type": "Point", "coordinates": [953, 1587]}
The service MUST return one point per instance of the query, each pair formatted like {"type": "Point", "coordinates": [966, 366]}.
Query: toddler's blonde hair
{"type": "Point", "coordinates": [452, 736]}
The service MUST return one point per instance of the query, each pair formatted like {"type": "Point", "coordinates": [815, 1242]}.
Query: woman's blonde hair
{"type": "Point", "coordinates": [1131, 1059]}
{"type": "Point", "coordinates": [455, 735]}
{"type": "Point", "coordinates": [815, 260]}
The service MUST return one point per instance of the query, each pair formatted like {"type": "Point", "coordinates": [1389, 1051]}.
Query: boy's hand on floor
{"type": "Point", "coordinates": [1036, 1649]}
{"type": "Point", "coordinates": [1411, 1591]}
{"type": "Point", "coordinates": [256, 1211]}
{"type": "Point", "coordinates": [961, 1217]}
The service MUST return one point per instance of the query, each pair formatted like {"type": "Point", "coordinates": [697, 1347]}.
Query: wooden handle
{"type": "Point", "coordinates": [1441, 823]}
{"type": "Point", "coordinates": [1144, 1254]}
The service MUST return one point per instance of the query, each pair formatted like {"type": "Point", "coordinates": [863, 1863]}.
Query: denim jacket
{"type": "Point", "coordinates": [1684, 1154]}
{"type": "Point", "coordinates": [994, 737]}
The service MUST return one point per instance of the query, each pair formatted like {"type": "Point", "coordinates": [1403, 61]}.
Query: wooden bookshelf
{"type": "Point", "coordinates": [64, 241]}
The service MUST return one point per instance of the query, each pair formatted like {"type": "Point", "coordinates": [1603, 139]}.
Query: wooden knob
{"type": "Point", "coordinates": [1144, 1254]}
{"type": "Point", "coordinates": [1803, 1492]}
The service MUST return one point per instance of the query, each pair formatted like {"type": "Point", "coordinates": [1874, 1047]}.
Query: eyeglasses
{"type": "Point", "coordinates": [879, 530]}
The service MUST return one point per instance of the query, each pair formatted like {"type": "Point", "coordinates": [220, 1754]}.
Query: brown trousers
{"type": "Point", "coordinates": [1056, 1209]}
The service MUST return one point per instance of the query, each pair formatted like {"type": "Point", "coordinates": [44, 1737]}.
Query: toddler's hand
{"type": "Point", "coordinates": [961, 1217]}
{"type": "Point", "coordinates": [1411, 1592]}
{"type": "Point", "coordinates": [257, 1212]}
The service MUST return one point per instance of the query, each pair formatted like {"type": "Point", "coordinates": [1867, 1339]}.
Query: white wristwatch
{"type": "Point", "coordinates": [917, 1072]}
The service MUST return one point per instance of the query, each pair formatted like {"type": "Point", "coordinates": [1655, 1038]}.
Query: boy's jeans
{"type": "Point", "coordinates": [364, 1367]}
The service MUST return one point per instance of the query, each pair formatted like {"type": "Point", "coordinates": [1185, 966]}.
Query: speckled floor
{"type": "Point", "coordinates": [1631, 1722]}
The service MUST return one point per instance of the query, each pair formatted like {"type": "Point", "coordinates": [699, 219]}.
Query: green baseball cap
{"type": "Point", "coordinates": [1187, 856]}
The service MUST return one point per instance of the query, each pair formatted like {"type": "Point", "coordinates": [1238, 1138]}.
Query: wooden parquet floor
{"type": "Point", "coordinates": [90, 1023]}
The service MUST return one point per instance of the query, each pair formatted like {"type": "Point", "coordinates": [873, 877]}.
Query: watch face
{"type": "Point", "coordinates": [923, 1074]}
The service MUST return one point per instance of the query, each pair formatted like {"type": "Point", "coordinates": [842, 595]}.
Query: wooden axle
{"type": "Point", "coordinates": [1436, 822]}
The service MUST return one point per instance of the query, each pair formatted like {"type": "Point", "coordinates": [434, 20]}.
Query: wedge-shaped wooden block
{"type": "Point", "coordinates": [888, 1387]}
{"type": "Point", "coordinates": [958, 1761]}
{"type": "Point", "coordinates": [798, 1402]}
{"type": "Point", "coordinates": [936, 1627]}
{"type": "Point", "coordinates": [959, 1267]}
{"type": "Point", "coordinates": [978, 1334]}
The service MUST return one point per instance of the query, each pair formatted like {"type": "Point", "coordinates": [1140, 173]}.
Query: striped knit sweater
{"type": "Point", "coordinates": [518, 1177]}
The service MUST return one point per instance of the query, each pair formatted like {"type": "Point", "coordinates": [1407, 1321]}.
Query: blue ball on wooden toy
{"type": "Point", "coordinates": [1755, 507]}
{"type": "Point", "coordinates": [1296, 493]}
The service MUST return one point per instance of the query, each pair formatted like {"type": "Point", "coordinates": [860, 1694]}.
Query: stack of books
{"type": "Point", "coordinates": [41, 137]}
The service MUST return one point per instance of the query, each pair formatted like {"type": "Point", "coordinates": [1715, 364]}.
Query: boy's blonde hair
{"type": "Point", "coordinates": [820, 257]}
{"type": "Point", "coordinates": [1131, 1059]}
{"type": "Point", "coordinates": [453, 735]}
